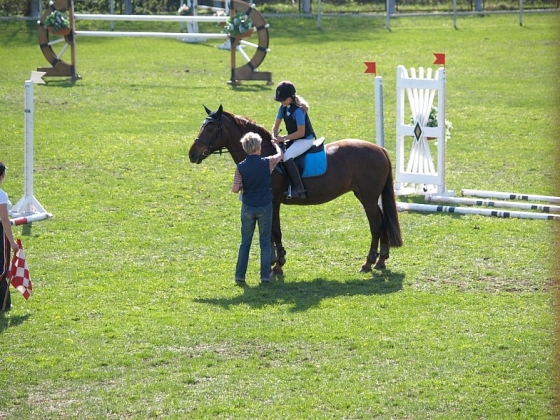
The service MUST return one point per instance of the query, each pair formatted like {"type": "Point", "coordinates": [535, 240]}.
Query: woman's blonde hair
{"type": "Point", "coordinates": [251, 142]}
{"type": "Point", "coordinates": [302, 103]}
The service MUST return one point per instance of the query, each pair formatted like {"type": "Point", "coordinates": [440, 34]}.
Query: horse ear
{"type": "Point", "coordinates": [219, 111]}
{"type": "Point", "coordinates": [208, 112]}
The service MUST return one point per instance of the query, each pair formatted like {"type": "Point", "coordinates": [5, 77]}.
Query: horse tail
{"type": "Point", "coordinates": [390, 212]}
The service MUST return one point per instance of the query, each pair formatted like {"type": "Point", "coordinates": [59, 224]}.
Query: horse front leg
{"type": "Point", "coordinates": [278, 256]}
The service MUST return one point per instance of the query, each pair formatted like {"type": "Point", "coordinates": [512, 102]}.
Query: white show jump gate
{"type": "Point", "coordinates": [420, 175]}
{"type": "Point", "coordinates": [416, 173]}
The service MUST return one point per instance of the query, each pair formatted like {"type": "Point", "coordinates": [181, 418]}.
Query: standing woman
{"type": "Point", "coordinates": [7, 240]}
{"type": "Point", "coordinates": [293, 111]}
{"type": "Point", "coordinates": [252, 178]}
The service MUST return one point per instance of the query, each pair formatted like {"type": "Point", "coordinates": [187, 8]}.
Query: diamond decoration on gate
{"type": "Point", "coordinates": [417, 131]}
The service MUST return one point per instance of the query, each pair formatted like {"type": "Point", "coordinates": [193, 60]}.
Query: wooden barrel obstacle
{"type": "Point", "coordinates": [59, 67]}
{"type": "Point", "coordinates": [421, 176]}
{"type": "Point", "coordinates": [246, 71]}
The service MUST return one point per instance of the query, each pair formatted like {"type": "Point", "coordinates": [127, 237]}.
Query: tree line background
{"type": "Point", "coordinates": [30, 8]}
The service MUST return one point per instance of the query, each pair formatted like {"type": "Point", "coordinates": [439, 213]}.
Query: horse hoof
{"type": "Point", "coordinates": [365, 269]}
{"type": "Point", "coordinates": [277, 271]}
{"type": "Point", "coordinates": [380, 266]}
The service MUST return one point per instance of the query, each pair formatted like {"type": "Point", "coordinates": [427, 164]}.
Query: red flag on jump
{"type": "Point", "coordinates": [19, 273]}
{"type": "Point", "coordinates": [440, 59]}
{"type": "Point", "coordinates": [370, 67]}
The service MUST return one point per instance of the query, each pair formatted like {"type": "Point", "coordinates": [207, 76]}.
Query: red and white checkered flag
{"type": "Point", "coordinates": [19, 273]}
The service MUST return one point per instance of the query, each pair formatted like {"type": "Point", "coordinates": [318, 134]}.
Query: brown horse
{"type": "Point", "coordinates": [352, 165]}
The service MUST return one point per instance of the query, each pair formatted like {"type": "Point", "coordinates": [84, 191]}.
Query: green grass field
{"type": "Point", "coordinates": [134, 312]}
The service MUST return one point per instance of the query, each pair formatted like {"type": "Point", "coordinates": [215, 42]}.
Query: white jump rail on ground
{"type": "Point", "coordinates": [477, 211]}
{"type": "Point", "coordinates": [510, 196]}
{"type": "Point", "coordinates": [546, 209]}
{"type": "Point", "coordinates": [495, 203]}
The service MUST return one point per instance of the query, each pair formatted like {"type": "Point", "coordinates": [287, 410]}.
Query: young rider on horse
{"type": "Point", "coordinates": [293, 111]}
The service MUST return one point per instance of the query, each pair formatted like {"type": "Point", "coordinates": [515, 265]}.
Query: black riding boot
{"type": "Point", "coordinates": [298, 191]}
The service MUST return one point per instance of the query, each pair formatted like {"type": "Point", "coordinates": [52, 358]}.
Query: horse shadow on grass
{"type": "Point", "coordinates": [304, 295]}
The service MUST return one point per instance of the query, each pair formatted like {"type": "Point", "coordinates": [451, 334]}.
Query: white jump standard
{"type": "Point", "coordinates": [28, 208]}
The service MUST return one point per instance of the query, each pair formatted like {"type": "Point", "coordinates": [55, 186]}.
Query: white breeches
{"type": "Point", "coordinates": [297, 148]}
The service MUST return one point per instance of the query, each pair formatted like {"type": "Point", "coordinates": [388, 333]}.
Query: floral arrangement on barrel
{"type": "Point", "coordinates": [432, 122]}
{"type": "Point", "coordinates": [240, 25]}
{"type": "Point", "coordinates": [58, 23]}
{"type": "Point", "coordinates": [184, 10]}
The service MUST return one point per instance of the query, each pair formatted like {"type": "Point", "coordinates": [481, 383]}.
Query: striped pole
{"type": "Point", "coordinates": [511, 196]}
{"type": "Point", "coordinates": [482, 212]}
{"type": "Point", "coordinates": [28, 219]}
{"type": "Point", "coordinates": [493, 203]}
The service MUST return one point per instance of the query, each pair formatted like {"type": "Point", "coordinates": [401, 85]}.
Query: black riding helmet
{"type": "Point", "coordinates": [284, 90]}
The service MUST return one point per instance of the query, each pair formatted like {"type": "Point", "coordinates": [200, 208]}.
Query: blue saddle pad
{"type": "Point", "coordinates": [313, 162]}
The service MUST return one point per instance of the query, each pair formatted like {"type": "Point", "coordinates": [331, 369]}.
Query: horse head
{"type": "Point", "coordinates": [210, 138]}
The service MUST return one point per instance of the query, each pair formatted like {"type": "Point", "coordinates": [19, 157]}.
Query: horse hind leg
{"type": "Point", "coordinates": [384, 248]}
{"type": "Point", "coordinates": [376, 227]}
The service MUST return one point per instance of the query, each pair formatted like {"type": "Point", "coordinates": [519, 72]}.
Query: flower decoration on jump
{"type": "Point", "coordinates": [184, 10]}
{"type": "Point", "coordinates": [238, 25]}
{"type": "Point", "coordinates": [432, 122]}
{"type": "Point", "coordinates": [56, 21]}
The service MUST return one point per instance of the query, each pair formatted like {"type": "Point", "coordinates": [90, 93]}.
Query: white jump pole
{"type": "Point", "coordinates": [379, 125]}
{"type": "Point", "coordinates": [510, 196]}
{"type": "Point", "coordinates": [28, 204]}
{"type": "Point", "coordinates": [151, 18]}
{"type": "Point", "coordinates": [478, 211]}
{"type": "Point", "coordinates": [117, 34]}
{"type": "Point", "coordinates": [493, 203]}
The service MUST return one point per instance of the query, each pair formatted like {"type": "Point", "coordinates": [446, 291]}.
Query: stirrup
{"type": "Point", "coordinates": [288, 193]}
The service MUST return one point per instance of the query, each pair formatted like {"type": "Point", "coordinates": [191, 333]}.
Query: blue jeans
{"type": "Point", "coordinates": [250, 216]}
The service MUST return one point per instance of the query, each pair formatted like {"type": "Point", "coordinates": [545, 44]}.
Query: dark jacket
{"type": "Point", "coordinates": [255, 173]}
{"type": "Point", "coordinates": [291, 125]}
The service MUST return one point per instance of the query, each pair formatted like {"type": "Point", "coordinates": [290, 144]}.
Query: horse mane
{"type": "Point", "coordinates": [247, 125]}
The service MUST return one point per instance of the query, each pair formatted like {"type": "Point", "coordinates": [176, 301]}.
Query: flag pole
{"type": "Point", "coordinates": [6, 294]}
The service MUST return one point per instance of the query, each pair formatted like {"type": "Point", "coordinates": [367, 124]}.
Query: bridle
{"type": "Point", "coordinates": [210, 146]}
